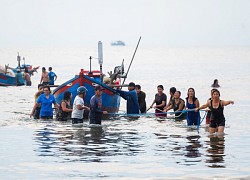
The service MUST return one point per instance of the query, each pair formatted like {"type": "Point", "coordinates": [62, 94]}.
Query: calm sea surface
{"type": "Point", "coordinates": [122, 148]}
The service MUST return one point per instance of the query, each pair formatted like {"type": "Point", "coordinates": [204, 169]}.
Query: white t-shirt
{"type": "Point", "coordinates": [76, 113]}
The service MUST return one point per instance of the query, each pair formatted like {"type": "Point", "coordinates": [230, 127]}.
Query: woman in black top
{"type": "Point", "coordinates": [216, 106]}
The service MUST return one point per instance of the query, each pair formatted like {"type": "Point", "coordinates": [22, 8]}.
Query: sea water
{"type": "Point", "coordinates": [125, 148]}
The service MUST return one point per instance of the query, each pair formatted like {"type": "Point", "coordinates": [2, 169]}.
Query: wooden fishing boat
{"type": "Point", "coordinates": [110, 99]}
{"type": "Point", "coordinates": [91, 78]}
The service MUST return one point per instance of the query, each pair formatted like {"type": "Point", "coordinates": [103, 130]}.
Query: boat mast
{"type": "Point", "coordinates": [100, 59]}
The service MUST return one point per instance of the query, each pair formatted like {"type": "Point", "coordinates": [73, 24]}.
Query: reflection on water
{"type": "Point", "coordinates": [83, 143]}
{"type": "Point", "coordinates": [216, 151]}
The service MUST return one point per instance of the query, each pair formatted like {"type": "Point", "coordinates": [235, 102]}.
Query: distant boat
{"type": "Point", "coordinates": [8, 74]}
{"type": "Point", "coordinates": [117, 43]}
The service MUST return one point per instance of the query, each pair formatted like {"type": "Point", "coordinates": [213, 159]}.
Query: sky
{"type": "Point", "coordinates": [32, 23]}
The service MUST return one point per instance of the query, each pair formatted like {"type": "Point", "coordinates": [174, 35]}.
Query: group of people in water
{"type": "Point", "coordinates": [24, 78]}
{"type": "Point", "coordinates": [44, 100]}
{"type": "Point", "coordinates": [183, 109]}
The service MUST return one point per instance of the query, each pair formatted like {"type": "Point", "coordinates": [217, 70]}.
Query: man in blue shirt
{"type": "Point", "coordinates": [52, 76]}
{"type": "Point", "coordinates": [132, 99]}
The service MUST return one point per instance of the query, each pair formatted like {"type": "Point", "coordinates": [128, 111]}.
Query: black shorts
{"type": "Point", "coordinates": [45, 83]}
{"type": "Point", "coordinates": [77, 121]}
{"type": "Point", "coordinates": [215, 124]}
{"type": "Point", "coordinates": [28, 83]}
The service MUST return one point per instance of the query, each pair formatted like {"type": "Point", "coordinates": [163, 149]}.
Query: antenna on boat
{"type": "Point", "coordinates": [132, 60]}
{"type": "Point", "coordinates": [18, 60]}
{"type": "Point", "coordinates": [100, 59]}
{"type": "Point", "coordinates": [90, 71]}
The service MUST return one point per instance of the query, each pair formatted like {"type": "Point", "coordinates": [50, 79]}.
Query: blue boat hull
{"type": "Point", "coordinates": [110, 100]}
{"type": "Point", "coordinates": [6, 80]}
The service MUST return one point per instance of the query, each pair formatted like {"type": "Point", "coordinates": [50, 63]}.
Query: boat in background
{"type": "Point", "coordinates": [8, 74]}
{"type": "Point", "coordinates": [118, 43]}
{"type": "Point", "coordinates": [7, 77]}
{"type": "Point", "coordinates": [91, 78]}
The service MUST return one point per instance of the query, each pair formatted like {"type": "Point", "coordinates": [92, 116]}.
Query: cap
{"type": "Point", "coordinates": [81, 89]}
{"type": "Point", "coordinates": [98, 88]}
{"type": "Point", "coordinates": [131, 84]}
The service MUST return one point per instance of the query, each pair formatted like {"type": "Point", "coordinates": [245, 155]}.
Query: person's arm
{"type": "Point", "coordinates": [55, 77]}
{"type": "Point", "coordinates": [33, 110]}
{"type": "Point", "coordinates": [64, 108]}
{"type": "Point", "coordinates": [123, 94]}
{"type": "Point", "coordinates": [181, 106]}
{"type": "Point", "coordinates": [41, 79]}
{"type": "Point", "coordinates": [161, 105]}
{"type": "Point", "coordinates": [203, 106]}
{"type": "Point", "coordinates": [197, 103]}
{"type": "Point", "coordinates": [79, 105]}
{"type": "Point", "coordinates": [168, 108]}
{"type": "Point", "coordinates": [225, 103]}
{"type": "Point", "coordinates": [152, 103]}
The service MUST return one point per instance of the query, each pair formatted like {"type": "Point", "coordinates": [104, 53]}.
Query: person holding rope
{"type": "Point", "coordinates": [193, 117]}
{"type": "Point", "coordinates": [216, 106]}
{"type": "Point", "coordinates": [132, 99]}
{"type": "Point", "coordinates": [160, 101]}
{"type": "Point", "coordinates": [78, 106]}
{"type": "Point", "coordinates": [96, 112]}
{"type": "Point", "coordinates": [177, 105]}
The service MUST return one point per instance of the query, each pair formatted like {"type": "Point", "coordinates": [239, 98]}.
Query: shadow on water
{"type": "Point", "coordinates": [82, 143]}
{"type": "Point", "coordinates": [215, 150]}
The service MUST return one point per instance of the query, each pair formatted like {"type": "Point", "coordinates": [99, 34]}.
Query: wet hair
{"type": "Point", "coordinates": [178, 92]}
{"type": "Point", "coordinates": [216, 90]}
{"type": "Point", "coordinates": [188, 94]}
{"type": "Point", "coordinates": [172, 90]}
{"type": "Point", "coordinates": [67, 95]}
{"type": "Point", "coordinates": [212, 90]}
{"type": "Point", "coordinates": [137, 86]}
{"type": "Point", "coordinates": [50, 68]}
{"type": "Point", "coordinates": [39, 85]}
{"type": "Point", "coordinates": [46, 87]}
{"type": "Point", "coordinates": [160, 86]}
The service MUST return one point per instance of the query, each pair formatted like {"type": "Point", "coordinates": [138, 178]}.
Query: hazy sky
{"type": "Point", "coordinates": [159, 22]}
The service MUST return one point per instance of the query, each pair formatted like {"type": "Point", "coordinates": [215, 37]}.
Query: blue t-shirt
{"type": "Point", "coordinates": [132, 101]}
{"type": "Point", "coordinates": [46, 105]}
{"type": "Point", "coordinates": [51, 77]}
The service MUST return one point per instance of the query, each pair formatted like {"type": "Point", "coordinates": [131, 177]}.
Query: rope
{"type": "Point", "coordinates": [151, 114]}
{"type": "Point", "coordinates": [198, 124]}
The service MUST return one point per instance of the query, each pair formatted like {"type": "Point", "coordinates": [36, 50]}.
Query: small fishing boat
{"type": "Point", "coordinates": [91, 78]}
{"type": "Point", "coordinates": [7, 77]}
{"type": "Point", "coordinates": [8, 74]}
{"type": "Point", "coordinates": [117, 43]}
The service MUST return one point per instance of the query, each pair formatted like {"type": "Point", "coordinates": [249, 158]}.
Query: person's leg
{"type": "Point", "coordinates": [212, 130]}
{"type": "Point", "coordinates": [221, 129]}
